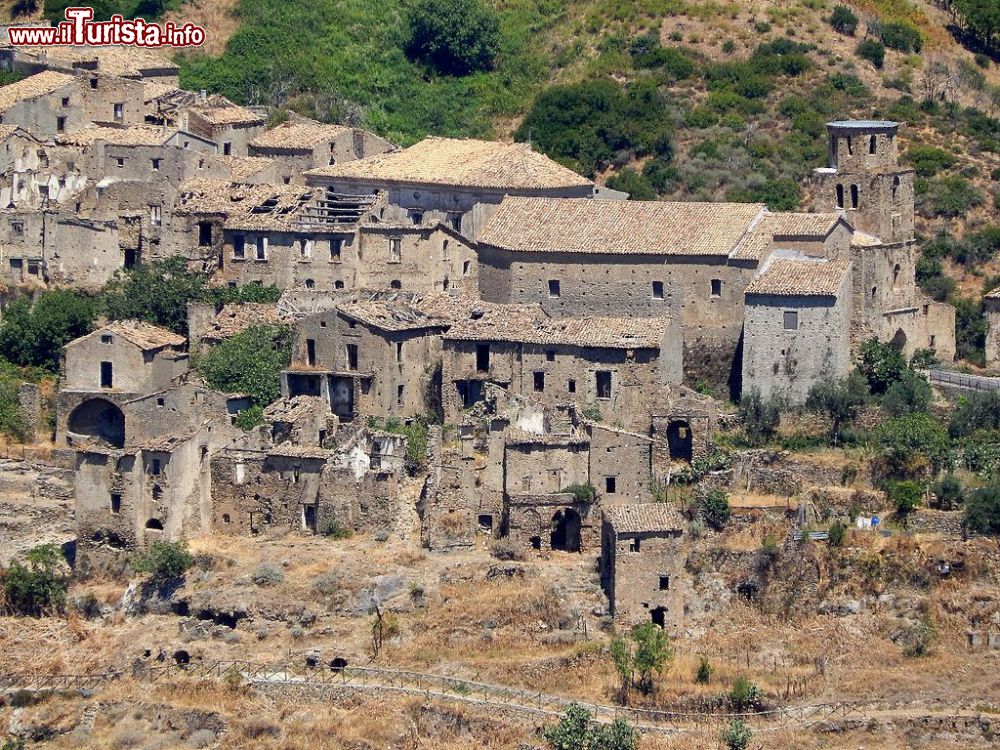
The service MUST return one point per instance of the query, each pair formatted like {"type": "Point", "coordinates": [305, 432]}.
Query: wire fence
{"type": "Point", "coordinates": [431, 686]}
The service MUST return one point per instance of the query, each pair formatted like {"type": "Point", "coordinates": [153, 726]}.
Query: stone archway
{"type": "Point", "coordinates": [98, 420]}
{"type": "Point", "coordinates": [680, 441]}
{"type": "Point", "coordinates": [899, 340]}
{"type": "Point", "coordinates": [566, 531]}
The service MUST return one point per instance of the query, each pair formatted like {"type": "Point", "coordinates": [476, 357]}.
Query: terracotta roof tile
{"type": "Point", "coordinates": [39, 84]}
{"type": "Point", "coordinates": [144, 335]}
{"type": "Point", "coordinates": [581, 225]}
{"type": "Point", "coordinates": [238, 316]}
{"type": "Point", "coordinates": [644, 517]}
{"type": "Point", "coordinates": [134, 135]}
{"type": "Point", "coordinates": [801, 224]}
{"type": "Point", "coordinates": [115, 61]}
{"type": "Point", "coordinates": [460, 163]}
{"type": "Point", "coordinates": [242, 168]}
{"type": "Point", "coordinates": [800, 278]}
{"type": "Point", "coordinates": [406, 312]}
{"type": "Point", "coordinates": [228, 114]}
{"type": "Point", "coordinates": [297, 135]}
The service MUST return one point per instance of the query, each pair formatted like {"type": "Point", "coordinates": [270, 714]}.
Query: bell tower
{"type": "Point", "coordinates": [864, 180]}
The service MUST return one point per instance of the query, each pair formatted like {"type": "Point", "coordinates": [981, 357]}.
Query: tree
{"type": "Point", "coordinates": [249, 363]}
{"type": "Point", "coordinates": [914, 444]}
{"type": "Point", "coordinates": [982, 510]}
{"type": "Point", "coordinates": [908, 395]}
{"type": "Point", "coordinates": [714, 509]}
{"type": "Point", "coordinates": [948, 492]}
{"type": "Point", "coordinates": [981, 19]}
{"type": "Point", "coordinates": [157, 292]}
{"type": "Point", "coordinates": [38, 586]}
{"type": "Point", "coordinates": [843, 20]}
{"type": "Point", "coordinates": [34, 332]}
{"type": "Point", "coordinates": [760, 418]}
{"type": "Point", "coordinates": [975, 411]}
{"type": "Point", "coordinates": [873, 51]}
{"type": "Point", "coordinates": [737, 735]}
{"type": "Point", "coordinates": [164, 561]}
{"type": "Point", "coordinates": [745, 695]}
{"type": "Point", "coordinates": [646, 652]}
{"type": "Point", "coordinates": [881, 364]}
{"type": "Point", "coordinates": [577, 731]}
{"type": "Point", "coordinates": [839, 400]}
{"type": "Point", "coordinates": [906, 496]}
{"type": "Point", "coordinates": [457, 37]}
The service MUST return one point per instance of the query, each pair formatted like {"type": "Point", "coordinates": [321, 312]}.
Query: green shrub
{"type": "Point", "coordinates": [948, 492]}
{"type": "Point", "coordinates": [267, 574]}
{"type": "Point", "coordinates": [760, 418]}
{"type": "Point", "coordinates": [737, 736]}
{"type": "Point", "coordinates": [899, 36]}
{"type": "Point", "coordinates": [906, 496]}
{"type": "Point", "coordinates": [982, 510]}
{"type": "Point", "coordinates": [843, 20]}
{"type": "Point", "coordinates": [970, 330]}
{"type": "Point", "coordinates": [457, 37]}
{"type": "Point", "coordinates": [779, 194]}
{"type": "Point", "coordinates": [582, 493]}
{"type": "Point", "coordinates": [928, 161]}
{"type": "Point", "coordinates": [881, 364]}
{"type": "Point", "coordinates": [908, 395]}
{"type": "Point", "coordinates": [975, 411]}
{"type": "Point", "coordinates": [704, 674]}
{"type": "Point", "coordinates": [247, 419]}
{"type": "Point", "coordinates": [336, 530]}
{"type": "Point", "coordinates": [949, 196]}
{"type": "Point", "coordinates": [11, 419]}
{"type": "Point", "coordinates": [38, 586]}
{"type": "Point", "coordinates": [577, 730]}
{"type": "Point", "coordinates": [745, 695]}
{"type": "Point", "coordinates": [872, 51]}
{"type": "Point", "coordinates": [714, 509]}
{"type": "Point", "coordinates": [838, 400]}
{"type": "Point", "coordinates": [249, 363]}
{"type": "Point", "coordinates": [164, 561]}
{"type": "Point", "coordinates": [913, 444]}
{"type": "Point", "coordinates": [661, 175]}
{"type": "Point", "coordinates": [34, 331]}
{"type": "Point", "coordinates": [837, 532]}
{"type": "Point", "coordinates": [636, 185]}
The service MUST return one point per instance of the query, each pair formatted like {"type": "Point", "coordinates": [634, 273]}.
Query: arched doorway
{"type": "Point", "coordinates": [98, 420]}
{"type": "Point", "coordinates": [679, 440]}
{"type": "Point", "coordinates": [899, 340]}
{"type": "Point", "coordinates": [658, 616]}
{"type": "Point", "coordinates": [566, 531]}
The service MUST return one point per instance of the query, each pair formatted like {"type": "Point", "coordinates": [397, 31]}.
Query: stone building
{"type": "Point", "coordinates": [642, 564]}
{"type": "Point", "coordinates": [865, 180]}
{"type": "Point", "coordinates": [135, 63]}
{"type": "Point", "coordinates": [44, 104]}
{"type": "Point", "coordinates": [797, 327]}
{"type": "Point", "coordinates": [155, 481]}
{"type": "Point", "coordinates": [454, 181]}
{"type": "Point", "coordinates": [301, 145]}
{"type": "Point", "coordinates": [374, 354]}
{"type": "Point", "coordinates": [106, 368]}
{"type": "Point", "coordinates": [311, 238]}
{"type": "Point", "coordinates": [218, 120]}
{"type": "Point", "coordinates": [210, 324]}
{"type": "Point", "coordinates": [614, 367]}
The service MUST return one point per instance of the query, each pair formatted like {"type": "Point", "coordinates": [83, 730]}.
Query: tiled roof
{"type": "Point", "coordinates": [800, 278]}
{"type": "Point", "coordinates": [296, 408]}
{"type": "Point", "coordinates": [460, 163]}
{"type": "Point", "coordinates": [407, 312]}
{"type": "Point", "coordinates": [153, 90]}
{"type": "Point", "coordinates": [242, 168]}
{"type": "Point", "coordinates": [581, 225]}
{"type": "Point", "coordinates": [527, 324]}
{"type": "Point", "coordinates": [297, 135]}
{"type": "Point", "coordinates": [801, 224]}
{"type": "Point", "coordinates": [229, 114]}
{"type": "Point", "coordinates": [166, 443]}
{"type": "Point", "coordinates": [245, 206]}
{"type": "Point", "coordinates": [144, 335]}
{"type": "Point", "coordinates": [134, 135]}
{"type": "Point", "coordinates": [6, 131]}
{"type": "Point", "coordinates": [33, 86]}
{"type": "Point", "coordinates": [238, 316]}
{"type": "Point", "coordinates": [637, 518]}
{"type": "Point", "coordinates": [514, 436]}
{"type": "Point", "coordinates": [861, 239]}
{"type": "Point", "coordinates": [115, 61]}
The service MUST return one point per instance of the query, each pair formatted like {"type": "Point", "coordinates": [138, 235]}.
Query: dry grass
{"type": "Point", "coordinates": [218, 18]}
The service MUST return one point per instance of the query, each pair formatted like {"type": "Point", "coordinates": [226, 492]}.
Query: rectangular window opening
{"type": "Point", "coordinates": [791, 320]}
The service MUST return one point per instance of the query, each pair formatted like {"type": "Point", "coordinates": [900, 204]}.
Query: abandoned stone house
{"type": "Point", "coordinates": [617, 368]}
{"type": "Point", "coordinates": [114, 364]}
{"type": "Point", "coordinates": [210, 324]}
{"type": "Point", "coordinates": [374, 354]}
{"type": "Point", "coordinates": [220, 121]}
{"type": "Point", "coordinates": [155, 481]}
{"type": "Point", "coordinates": [642, 564]}
{"type": "Point", "coordinates": [43, 104]}
{"type": "Point", "coordinates": [300, 145]}
{"type": "Point", "coordinates": [454, 181]}
{"type": "Point", "coordinates": [314, 239]}
{"type": "Point", "coordinates": [134, 63]}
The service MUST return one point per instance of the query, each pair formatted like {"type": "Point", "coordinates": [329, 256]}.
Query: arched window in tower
{"type": "Point", "coordinates": [854, 196]}
{"type": "Point", "coordinates": [872, 145]}
{"type": "Point", "coordinates": [874, 291]}
{"type": "Point", "coordinates": [850, 145]}
{"type": "Point", "coordinates": [895, 188]}
{"type": "Point", "coordinates": [895, 276]}
{"type": "Point", "coordinates": [840, 196]}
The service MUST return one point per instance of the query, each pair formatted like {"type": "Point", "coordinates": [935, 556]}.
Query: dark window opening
{"type": "Point", "coordinates": [664, 583]}
{"type": "Point", "coordinates": [154, 467]}
{"type": "Point", "coordinates": [116, 504]}
{"type": "Point", "coordinates": [554, 290]}
{"type": "Point", "coordinates": [227, 148]}
{"type": "Point", "coordinates": [335, 246]}
{"type": "Point", "coordinates": [395, 284]}
{"type": "Point", "coordinates": [790, 320]}
{"type": "Point", "coordinates": [470, 392]}
{"type": "Point", "coordinates": [482, 357]}
{"type": "Point", "coordinates": [716, 287]}
{"type": "Point", "coordinates": [840, 196]}
{"type": "Point", "coordinates": [204, 233]}
{"type": "Point", "coordinates": [550, 355]}
{"type": "Point", "coordinates": [565, 534]}
{"type": "Point", "coordinates": [659, 616]}
{"type": "Point", "coordinates": [538, 381]}
{"type": "Point", "coordinates": [634, 544]}
{"type": "Point", "coordinates": [854, 196]}
{"type": "Point", "coordinates": [485, 522]}
{"type": "Point", "coordinates": [571, 386]}
{"type": "Point", "coordinates": [603, 382]}
{"type": "Point", "coordinates": [611, 485]}
{"type": "Point", "coordinates": [657, 290]}
{"type": "Point", "coordinates": [131, 257]}
{"type": "Point", "coordinates": [536, 542]}
{"type": "Point", "coordinates": [154, 523]}
{"type": "Point", "coordinates": [239, 246]}
{"type": "Point", "coordinates": [311, 351]}
{"type": "Point", "coordinates": [107, 375]}
{"type": "Point", "coordinates": [400, 396]}
{"type": "Point", "coordinates": [60, 124]}
{"type": "Point", "coordinates": [872, 145]}
{"type": "Point", "coordinates": [352, 356]}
